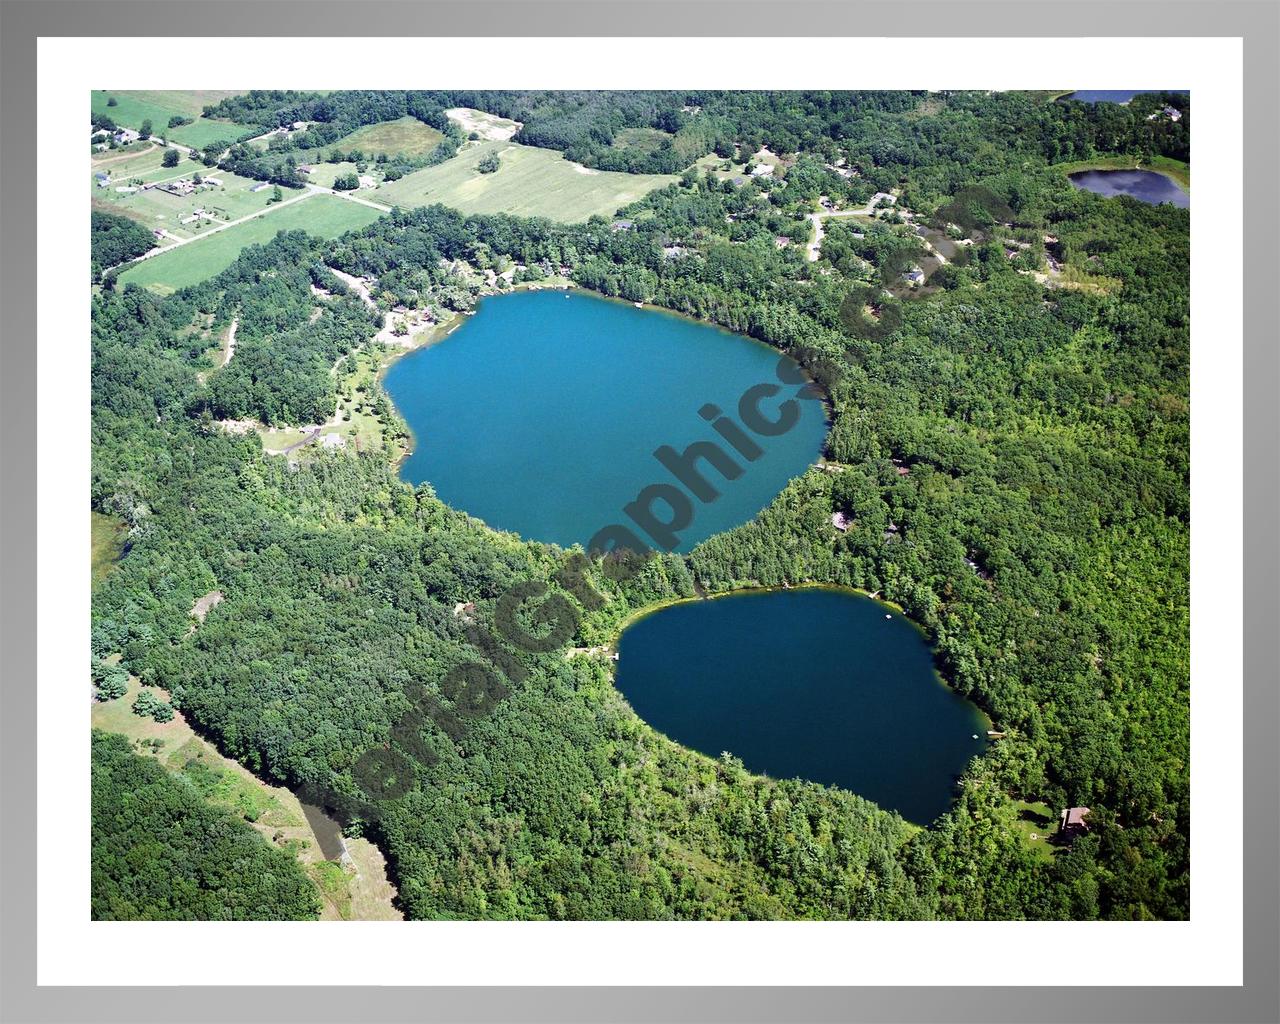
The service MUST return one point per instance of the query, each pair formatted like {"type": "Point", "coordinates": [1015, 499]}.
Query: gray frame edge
{"type": "Point", "coordinates": [1256, 21]}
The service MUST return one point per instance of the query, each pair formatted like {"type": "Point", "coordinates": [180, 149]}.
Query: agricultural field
{"type": "Point", "coordinates": [530, 182]}
{"type": "Point", "coordinates": [134, 107]}
{"type": "Point", "coordinates": [322, 215]}
{"type": "Point", "coordinates": [407, 137]}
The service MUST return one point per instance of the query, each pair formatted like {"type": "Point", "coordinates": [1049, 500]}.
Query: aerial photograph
{"type": "Point", "coordinates": [651, 505]}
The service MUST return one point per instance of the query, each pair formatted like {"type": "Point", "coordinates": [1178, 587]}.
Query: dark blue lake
{"type": "Point", "coordinates": [810, 683]}
{"type": "Point", "coordinates": [1147, 186]}
{"type": "Point", "coordinates": [1115, 95]}
{"type": "Point", "coordinates": [542, 412]}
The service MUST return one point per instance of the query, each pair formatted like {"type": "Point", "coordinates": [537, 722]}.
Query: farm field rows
{"type": "Point", "coordinates": [530, 182]}
{"type": "Point", "coordinates": [134, 107]}
{"type": "Point", "coordinates": [322, 215]}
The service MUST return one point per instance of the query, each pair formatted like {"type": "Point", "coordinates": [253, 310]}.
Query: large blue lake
{"type": "Point", "coordinates": [542, 412]}
{"type": "Point", "coordinates": [820, 684]}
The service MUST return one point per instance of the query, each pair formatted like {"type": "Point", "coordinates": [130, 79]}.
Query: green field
{"type": "Point", "coordinates": [531, 182]}
{"type": "Point", "coordinates": [322, 215]}
{"type": "Point", "coordinates": [408, 137]}
{"type": "Point", "coordinates": [133, 107]}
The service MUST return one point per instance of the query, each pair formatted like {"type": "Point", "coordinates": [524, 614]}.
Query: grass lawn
{"type": "Point", "coordinates": [530, 182]}
{"type": "Point", "coordinates": [407, 136]}
{"type": "Point", "coordinates": [322, 215]}
{"type": "Point", "coordinates": [1178, 170]}
{"type": "Point", "coordinates": [325, 174]}
{"type": "Point", "coordinates": [1036, 823]}
{"type": "Point", "coordinates": [106, 543]}
{"type": "Point", "coordinates": [133, 107]}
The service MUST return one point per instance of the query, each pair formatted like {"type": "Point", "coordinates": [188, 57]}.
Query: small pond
{"type": "Point", "coordinates": [1146, 186]}
{"type": "Point", "coordinates": [1114, 95]}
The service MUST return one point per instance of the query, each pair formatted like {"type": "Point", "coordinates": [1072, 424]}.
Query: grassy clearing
{"type": "Point", "coordinates": [407, 137]}
{"type": "Point", "coordinates": [1036, 823]}
{"type": "Point", "coordinates": [322, 215]}
{"type": "Point", "coordinates": [359, 891]}
{"type": "Point", "coordinates": [1177, 170]}
{"type": "Point", "coordinates": [530, 182]}
{"type": "Point", "coordinates": [107, 535]}
{"type": "Point", "coordinates": [133, 107]}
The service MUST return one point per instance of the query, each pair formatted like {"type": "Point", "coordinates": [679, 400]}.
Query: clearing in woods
{"type": "Point", "coordinates": [107, 536]}
{"type": "Point", "coordinates": [322, 215]}
{"type": "Point", "coordinates": [354, 889]}
{"type": "Point", "coordinates": [529, 182]}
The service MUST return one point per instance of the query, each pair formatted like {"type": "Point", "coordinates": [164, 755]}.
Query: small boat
{"type": "Point", "coordinates": [888, 616]}
{"type": "Point", "coordinates": [639, 305]}
{"type": "Point", "coordinates": [975, 735]}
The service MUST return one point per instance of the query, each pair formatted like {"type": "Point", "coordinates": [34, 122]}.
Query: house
{"type": "Point", "coordinates": [1172, 113]}
{"type": "Point", "coordinates": [915, 275]}
{"type": "Point", "coordinates": [299, 125]}
{"type": "Point", "coordinates": [260, 186]}
{"type": "Point", "coordinates": [782, 241]}
{"type": "Point", "coordinates": [215, 182]}
{"type": "Point", "coordinates": [883, 198]}
{"type": "Point", "coordinates": [464, 610]}
{"type": "Point", "coordinates": [332, 441]}
{"type": "Point", "coordinates": [1073, 823]}
{"type": "Point", "coordinates": [891, 533]}
{"type": "Point", "coordinates": [622, 225]}
{"type": "Point", "coordinates": [158, 232]}
{"type": "Point", "coordinates": [840, 521]}
{"type": "Point", "coordinates": [762, 171]}
{"type": "Point", "coordinates": [305, 168]}
{"type": "Point", "coordinates": [102, 179]}
{"type": "Point", "coordinates": [124, 136]}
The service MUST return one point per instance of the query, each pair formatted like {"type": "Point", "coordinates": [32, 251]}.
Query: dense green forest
{"type": "Point", "coordinates": [114, 240]}
{"type": "Point", "coordinates": [160, 853]}
{"type": "Point", "coordinates": [885, 133]}
{"type": "Point", "coordinates": [1039, 531]}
